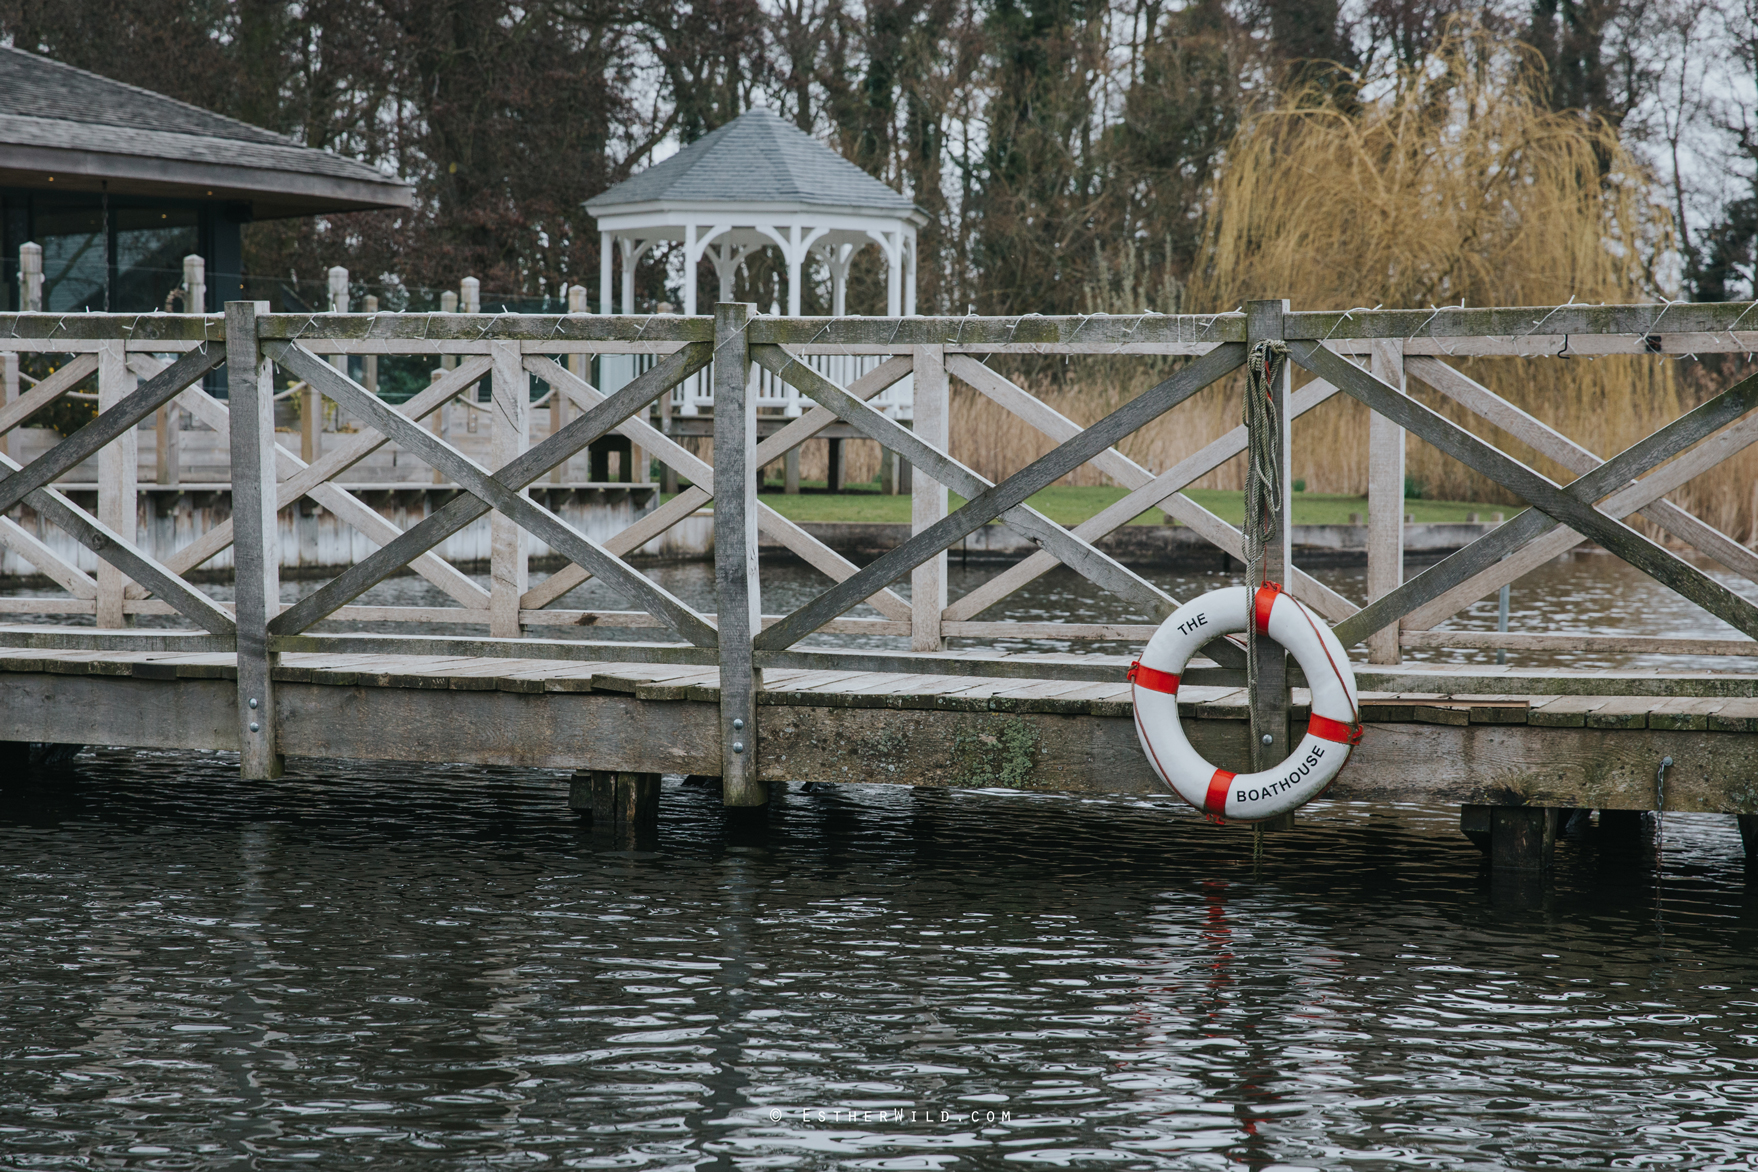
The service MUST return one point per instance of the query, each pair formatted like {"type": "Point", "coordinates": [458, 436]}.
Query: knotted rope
{"type": "Point", "coordinates": [1263, 475]}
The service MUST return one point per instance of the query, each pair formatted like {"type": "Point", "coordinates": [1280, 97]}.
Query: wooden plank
{"type": "Point", "coordinates": [1719, 447]}
{"type": "Point", "coordinates": [1572, 506]}
{"type": "Point", "coordinates": [311, 480]}
{"type": "Point", "coordinates": [1270, 702]}
{"type": "Point", "coordinates": [737, 588]}
{"type": "Point", "coordinates": [112, 424]}
{"type": "Point", "coordinates": [1165, 491]}
{"type": "Point", "coordinates": [928, 499]}
{"type": "Point", "coordinates": [509, 551]}
{"type": "Point", "coordinates": [118, 467]}
{"type": "Point", "coordinates": [818, 418]}
{"type": "Point", "coordinates": [932, 461]}
{"type": "Point", "coordinates": [621, 545]}
{"type": "Point", "coordinates": [487, 491]}
{"type": "Point", "coordinates": [1627, 644]}
{"type": "Point", "coordinates": [1543, 438]}
{"type": "Point", "coordinates": [62, 572]}
{"type": "Point", "coordinates": [1001, 498]}
{"type": "Point", "coordinates": [796, 539]}
{"type": "Point", "coordinates": [250, 384]}
{"type": "Point", "coordinates": [1385, 501]}
{"type": "Point", "coordinates": [50, 388]}
{"type": "Point", "coordinates": [1555, 320]}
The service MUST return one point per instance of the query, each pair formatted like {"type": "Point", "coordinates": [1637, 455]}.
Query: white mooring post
{"type": "Point", "coordinates": [737, 595]}
{"type": "Point", "coordinates": [118, 473]}
{"type": "Point", "coordinates": [30, 278]}
{"type": "Point", "coordinates": [250, 382]}
{"type": "Point", "coordinates": [559, 410]}
{"type": "Point", "coordinates": [928, 499]}
{"type": "Point", "coordinates": [509, 549]}
{"type": "Point", "coordinates": [1269, 708]}
{"type": "Point", "coordinates": [1385, 501]}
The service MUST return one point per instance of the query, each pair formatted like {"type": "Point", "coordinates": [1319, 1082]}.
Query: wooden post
{"type": "Point", "coordinates": [369, 362]}
{"type": "Point", "coordinates": [437, 422]}
{"type": "Point", "coordinates": [621, 804]}
{"type": "Point", "coordinates": [167, 443]}
{"type": "Point", "coordinates": [1749, 836]}
{"type": "Point", "coordinates": [1269, 708]}
{"type": "Point", "coordinates": [1385, 501]}
{"type": "Point", "coordinates": [509, 550]}
{"type": "Point", "coordinates": [888, 462]}
{"type": "Point", "coordinates": [790, 472]}
{"type": "Point", "coordinates": [256, 537]}
{"type": "Point", "coordinates": [577, 366]}
{"type": "Point", "coordinates": [30, 277]}
{"type": "Point", "coordinates": [118, 473]}
{"type": "Point", "coordinates": [1522, 838]}
{"type": "Point", "coordinates": [737, 595]}
{"type": "Point", "coordinates": [448, 304]}
{"type": "Point", "coordinates": [9, 388]}
{"type": "Point", "coordinates": [928, 500]}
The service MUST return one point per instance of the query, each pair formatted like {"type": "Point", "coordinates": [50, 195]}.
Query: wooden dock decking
{"type": "Point", "coordinates": [1564, 750]}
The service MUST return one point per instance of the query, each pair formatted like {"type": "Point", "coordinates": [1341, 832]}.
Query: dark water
{"type": "Point", "coordinates": [439, 969]}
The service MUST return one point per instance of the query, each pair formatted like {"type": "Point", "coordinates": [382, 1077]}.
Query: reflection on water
{"type": "Point", "coordinates": [440, 969]}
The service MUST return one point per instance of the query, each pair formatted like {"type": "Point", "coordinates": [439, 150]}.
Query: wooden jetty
{"type": "Point", "coordinates": [733, 694]}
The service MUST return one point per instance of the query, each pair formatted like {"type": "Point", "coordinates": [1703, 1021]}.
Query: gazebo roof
{"type": "Point", "coordinates": [87, 131]}
{"type": "Point", "coordinates": [758, 160]}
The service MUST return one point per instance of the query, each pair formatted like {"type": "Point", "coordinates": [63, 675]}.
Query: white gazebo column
{"type": "Point", "coordinates": [909, 283]}
{"type": "Point", "coordinates": [894, 277]}
{"type": "Point", "coordinates": [605, 243]}
{"type": "Point", "coordinates": [631, 254]}
{"type": "Point", "coordinates": [692, 254]}
{"type": "Point", "coordinates": [796, 263]}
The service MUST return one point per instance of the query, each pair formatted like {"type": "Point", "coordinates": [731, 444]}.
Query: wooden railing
{"type": "Point", "coordinates": [145, 363]}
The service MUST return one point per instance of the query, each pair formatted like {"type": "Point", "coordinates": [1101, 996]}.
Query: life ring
{"type": "Point", "coordinates": [1332, 730]}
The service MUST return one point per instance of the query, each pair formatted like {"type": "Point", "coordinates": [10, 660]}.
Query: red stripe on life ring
{"type": "Point", "coordinates": [1262, 601]}
{"type": "Point", "coordinates": [1325, 728]}
{"type": "Point", "coordinates": [1153, 679]}
{"type": "Point", "coordinates": [1215, 801]}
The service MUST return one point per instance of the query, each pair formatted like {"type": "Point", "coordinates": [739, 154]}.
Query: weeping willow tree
{"type": "Point", "coordinates": [1454, 185]}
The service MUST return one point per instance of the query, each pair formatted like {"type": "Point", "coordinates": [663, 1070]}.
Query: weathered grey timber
{"type": "Point", "coordinates": [109, 426]}
{"type": "Point", "coordinates": [486, 491]}
{"type": "Point", "coordinates": [1270, 704]}
{"type": "Point", "coordinates": [737, 590]}
{"type": "Point", "coordinates": [250, 386]}
{"type": "Point", "coordinates": [990, 503]}
{"type": "Point", "coordinates": [1552, 503]}
{"type": "Point", "coordinates": [733, 694]}
{"type": "Point", "coordinates": [1078, 555]}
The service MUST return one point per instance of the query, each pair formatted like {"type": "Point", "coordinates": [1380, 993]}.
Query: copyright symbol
{"type": "Point", "coordinates": [775, 1114]}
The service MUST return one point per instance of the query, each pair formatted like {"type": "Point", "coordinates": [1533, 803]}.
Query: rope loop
{"type": "Point", "coordinates": [1263, 473]}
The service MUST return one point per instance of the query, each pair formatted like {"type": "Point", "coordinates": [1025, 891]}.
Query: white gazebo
{"type": "Point", "coordinates": [759, 182]}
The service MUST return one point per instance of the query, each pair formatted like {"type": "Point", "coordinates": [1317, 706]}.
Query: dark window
{"type": "Point", "coordinates": [150, 247]}
{"type": "Point", "coordinates": [74, 262]}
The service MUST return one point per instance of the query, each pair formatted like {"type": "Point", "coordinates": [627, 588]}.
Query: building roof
{"type": "Point", "coordinates": [87, 131]}
{"type": "Point", "coordinates": [757, 159]}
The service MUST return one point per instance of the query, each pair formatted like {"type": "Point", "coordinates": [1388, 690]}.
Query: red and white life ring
{"type": "Point", "coordinates": [1333, 729]}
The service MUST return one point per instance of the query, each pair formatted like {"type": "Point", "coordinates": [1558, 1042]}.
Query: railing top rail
{"type": "Point", "coordinates": [1085, 331]}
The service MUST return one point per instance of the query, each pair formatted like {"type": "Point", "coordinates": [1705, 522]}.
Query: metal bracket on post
{"type": "Point", "coordinates": [250, 383]}
{"type": "Point", "coordinates": [736, 592]}
{"type": "Point", "coordinates": [1269, 707]}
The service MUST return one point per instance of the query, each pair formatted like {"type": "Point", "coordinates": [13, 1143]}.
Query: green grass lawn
{"type": "Point", "coordinates": [1070, 506]}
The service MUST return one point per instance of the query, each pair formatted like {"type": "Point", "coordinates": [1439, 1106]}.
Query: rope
{"type": "Point", "coordinates": [1263, 476]}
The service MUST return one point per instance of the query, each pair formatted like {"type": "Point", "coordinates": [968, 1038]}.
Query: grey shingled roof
{"type": "Point", "coordinates": [46, 103]}
{"type": "Point", "coordinates": [757, 158]}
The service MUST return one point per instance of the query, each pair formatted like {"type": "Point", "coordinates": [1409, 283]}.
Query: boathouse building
{"type": "Point", "coordinates": [118, 184]}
